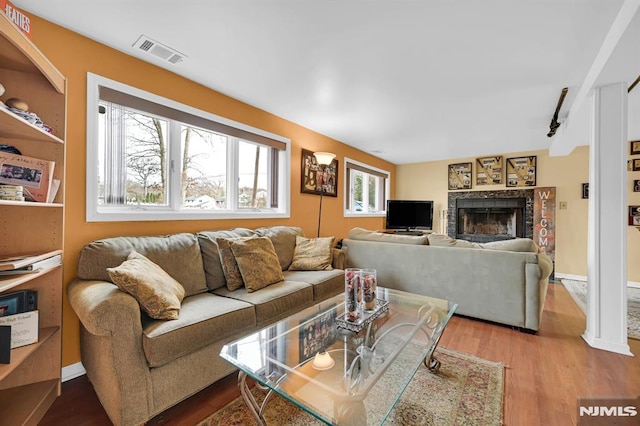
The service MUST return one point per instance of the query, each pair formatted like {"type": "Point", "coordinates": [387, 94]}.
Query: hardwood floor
{"type": "Point", "coordinates": [544, 376]}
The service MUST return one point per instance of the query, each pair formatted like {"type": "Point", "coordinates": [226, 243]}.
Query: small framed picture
{"type": "Point", "coordinates": [635, 164]}
{"type": "Point", "coordinates": [489, 170]}
{"type": "Point", "coordinates": [521, 171]}
{"type": "Point", "coordinates": [634, 147]}
{"type": "Point", "coordinates": [634, 215]}
{"type": "Point", "coordinates": [636, 185]}
{"type": "Point", "coordinates": [317, 179]}
{"type": "Point", "coordinates": [460, 176]}
{"type": "Point", "coordinates": [585, 190]}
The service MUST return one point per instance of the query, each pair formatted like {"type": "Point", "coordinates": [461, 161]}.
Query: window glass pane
{"type": "Point", "coordinates": [372, 190]}
{"type": "Point", "coordinates": [358, 180]}
{"type": "Point", "coordinates": [252, 175]}
{"type": "Point", "coordinates": [133, 157]}
{"type": "Point", "coordinates": [204, 169]}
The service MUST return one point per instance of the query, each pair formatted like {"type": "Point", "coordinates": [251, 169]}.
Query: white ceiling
{"type": "Point", "coordinates": [406, 80]}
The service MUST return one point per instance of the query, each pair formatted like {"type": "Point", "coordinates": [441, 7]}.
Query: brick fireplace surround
{"type": "Point", "coordinates": [452, 210]}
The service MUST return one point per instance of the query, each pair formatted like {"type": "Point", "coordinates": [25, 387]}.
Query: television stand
{"type": "Point", "coordinates": [405, 232]}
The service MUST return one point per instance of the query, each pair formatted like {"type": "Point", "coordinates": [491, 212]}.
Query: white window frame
{"type": "Point", "coordinates": [101, 213]}
{"type": "Point", "coordinates": [348, 190]}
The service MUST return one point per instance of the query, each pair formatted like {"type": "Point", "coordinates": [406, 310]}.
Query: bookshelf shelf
{"type": "Point", "coordinates": [32, 380]}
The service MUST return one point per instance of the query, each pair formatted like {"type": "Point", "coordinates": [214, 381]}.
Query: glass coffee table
{"type": "Point", "coordinates": [340, 376]}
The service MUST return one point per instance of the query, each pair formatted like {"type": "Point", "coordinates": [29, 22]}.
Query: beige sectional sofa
{"type": "Point", "coordinates": [141, 366]}
{"type": "Point", "coordinates": [504, 282]}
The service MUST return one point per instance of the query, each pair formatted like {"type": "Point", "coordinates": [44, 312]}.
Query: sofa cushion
{"type": "Point", "coordinates": [158, 294]}
{"type": "Point", "coordinates": [278, 301]}
{"type": "Point", "coordinates": [257, 261]}
{"type": "Point", "coordinates": [367, 235]}
{"type": "Point", "coordinates": [440, 240]}
{"type": "Point", "coordinates": [325, 283]}
{"type": "Point", "coordinates": [519, 244]}
{"type": "Point", "coordinates": [284, 241]}
{"type": "Point", "coordinates": [204, 319]}
{"type": "Point", "coordinates": [312, 254]}
{"type": "Point", "coordinates": [177, 254]}
{"type": "Point", "coordinates": [213, 271]}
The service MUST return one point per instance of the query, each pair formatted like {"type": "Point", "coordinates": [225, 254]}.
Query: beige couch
{"type": "Point", "coordinates": [504, 281]}
{"type": "Point", "coordinates": [139, 366]}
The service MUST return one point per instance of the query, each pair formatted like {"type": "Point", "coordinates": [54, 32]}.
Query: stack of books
{"type": "Point", "coordinates": [28, 264]}
{"type": "Point", "coordinates": [12, 192]}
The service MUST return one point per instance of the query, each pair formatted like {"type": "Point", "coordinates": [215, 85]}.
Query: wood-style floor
{"type": "Point", "coordinates": [545, 373]}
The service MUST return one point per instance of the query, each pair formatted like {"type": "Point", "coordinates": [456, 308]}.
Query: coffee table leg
{"type": "Point", "coordinates": [431, 362]}
{"type": "Point", "coordinates": [251, 402]}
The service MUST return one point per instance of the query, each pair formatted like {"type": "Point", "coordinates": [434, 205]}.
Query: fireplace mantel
{"type": "Point", "coordinates": [454, 197]}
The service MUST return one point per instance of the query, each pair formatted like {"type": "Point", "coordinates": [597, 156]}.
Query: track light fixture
{"type": "Point", "coordinates": [554, 121]}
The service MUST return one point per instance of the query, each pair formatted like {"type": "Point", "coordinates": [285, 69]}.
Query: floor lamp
{"type": "Point", "coordinates": [323, 159]}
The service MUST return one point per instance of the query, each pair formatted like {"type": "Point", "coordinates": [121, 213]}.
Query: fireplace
{"type": "Point", "coordinates": [483, 216]}
{"type": "Point", "coordinates": [483, 219]}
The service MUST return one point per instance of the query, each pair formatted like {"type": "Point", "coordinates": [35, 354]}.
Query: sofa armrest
{"type": "Point", "coordinates": [545, 264]}
{"type": "Point", "coordinates": [339, 260]}
{"type": "Point", "coordinates": [111, 349]}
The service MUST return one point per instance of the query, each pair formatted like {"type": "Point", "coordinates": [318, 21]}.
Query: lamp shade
{"type": "Point", "coordinates": [324, 158]}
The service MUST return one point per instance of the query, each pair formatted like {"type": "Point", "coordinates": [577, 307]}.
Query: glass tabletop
{"type": "Point", "coordinates": [340, 376]}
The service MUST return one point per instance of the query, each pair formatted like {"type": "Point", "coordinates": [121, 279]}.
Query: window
{"type": "Point", "coordinates": [367, 189]}
{"type": "Point", "coordinates": [150, 158]}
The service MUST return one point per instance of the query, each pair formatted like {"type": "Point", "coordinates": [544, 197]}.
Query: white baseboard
{"type": "Point", "coordinates": [72, 371]}
{"type": "Point", "coordinates": [572, 277]}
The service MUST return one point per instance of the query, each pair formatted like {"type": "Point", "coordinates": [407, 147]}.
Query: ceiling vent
{"type": "Point", "coordinates": [162, 51]}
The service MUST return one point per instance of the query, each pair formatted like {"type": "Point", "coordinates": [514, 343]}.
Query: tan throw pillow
{"type": "Point", "coordinates": [257, 261]}
{"type": "Point", "coordinates": [229, 265]}
{"type": "Point", "coordinates": [157, 292]}
{"type": "Point", "coordinates": [312, 254]}
{"type": "Point", "coordinates": [442, 240]}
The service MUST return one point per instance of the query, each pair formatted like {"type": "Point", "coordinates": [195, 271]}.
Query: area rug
{"type": "Point", "coordinates": [578, 291]}
{"type": "Point", "coordinates": [465, 391]}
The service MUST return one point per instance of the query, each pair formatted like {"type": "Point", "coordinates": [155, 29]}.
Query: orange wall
{"type": "Point", "coordinates": [75, 55]}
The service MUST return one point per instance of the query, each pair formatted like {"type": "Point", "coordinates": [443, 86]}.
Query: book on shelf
{"type": "Point", "coordinates": [33, 174]}
{"type": "Point", "coordinates": [11, 190]}
{"type": "Point", "coordinates": [43, 260]}
{"type": "Point", "coordinates": [11, 198]}
{"type": "Point", "coordinates": [36, 266]}
{"type": "Point", "coordinates": [24, 328]}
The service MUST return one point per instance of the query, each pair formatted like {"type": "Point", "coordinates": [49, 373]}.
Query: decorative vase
{"type": "Point", "coordinates": [369, 286]}
{"type": "Point", "coordinates": [353, 294]}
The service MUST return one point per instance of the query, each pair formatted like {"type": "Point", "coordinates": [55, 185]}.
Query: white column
{"type": "Point", "coordinates": [607, 246]}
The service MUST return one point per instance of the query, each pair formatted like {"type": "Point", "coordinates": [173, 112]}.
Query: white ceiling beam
{"type": "Point", "coordinates": [562, 143]}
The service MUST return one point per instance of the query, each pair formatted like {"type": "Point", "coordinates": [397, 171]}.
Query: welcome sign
{"type": "Point", "coordinates": [544, 220]}
{"type": "Point", "coordinates": [16, 16]}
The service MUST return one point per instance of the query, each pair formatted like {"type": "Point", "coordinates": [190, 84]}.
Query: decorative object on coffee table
{"type": "Point", "coordinates": [521, 171]}
{"type": "Point", "coordinates": [460, 176]}
{"type": "Point", "coordinates": [489, 170]}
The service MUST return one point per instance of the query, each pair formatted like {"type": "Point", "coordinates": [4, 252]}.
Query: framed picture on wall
{"type": "Point", "coordinates": [585, 190]}
{"type": "Point", "coordinates": [489, 170]}
{"type": "Point", "coordinates": [316, 178]}
{"type": "Point", "coordinates": [521, 171]}
{"type": "Point", "coordinates": [634, 215]}
{"type": "Point", "coordinates": [636, 185]}
{"type": "Point", "coordinates": [460, 176]}
{"type": "Point", "coordinates": [634, 147]}
{"type": "Point", "coordinates": [635, 164]}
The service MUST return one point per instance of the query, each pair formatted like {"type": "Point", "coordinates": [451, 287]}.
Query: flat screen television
{"type": "Point", "coordinates": [409, 214]}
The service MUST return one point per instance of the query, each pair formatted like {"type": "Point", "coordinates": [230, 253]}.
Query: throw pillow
{"type": "Point", "coordinates": [519, 244]}
{"type": "Point", "coordinates": [157, 292]}
{"type": "Point", "coordinates": [367, 235]}
{"type": "Point", "coordinates": [446, 241]}
{"type": "Point", "coordinates": [257, 261]}
{"type": "Point", "coordinates": [312, 254]}
{"type": "Point", "coordinates": [229, 265]}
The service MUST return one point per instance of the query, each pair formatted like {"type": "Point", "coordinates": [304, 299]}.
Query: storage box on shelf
{"type": "Point", "coordinates": [31, 381]}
